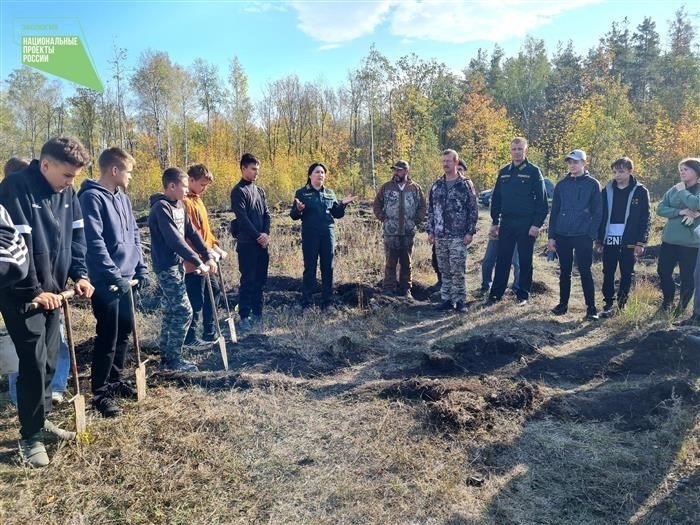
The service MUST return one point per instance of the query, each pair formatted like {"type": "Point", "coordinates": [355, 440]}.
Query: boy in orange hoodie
{"type": "Point", "coordinates": [199, 178]}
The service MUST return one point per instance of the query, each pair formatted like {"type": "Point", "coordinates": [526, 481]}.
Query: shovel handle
{"type": "Point", "coordinates": [134, 332]}
{"type": "Point", "coordinates": [223, 291]}
{"type": "Point", "coordinates": [114, 288]}
{"type": "Point", "coordinates": [66, 294]}
{"type": "Point", "coordinates": [71, 345]}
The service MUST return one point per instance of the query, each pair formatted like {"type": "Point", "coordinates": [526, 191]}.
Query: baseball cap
{"type": "Point", "coordinates": [577, 154]}
{"type": "Point", "coordinates": [400, 164]}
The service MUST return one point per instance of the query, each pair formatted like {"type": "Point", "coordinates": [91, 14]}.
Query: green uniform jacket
{"type": "Point", "coordinates": [675, 232]}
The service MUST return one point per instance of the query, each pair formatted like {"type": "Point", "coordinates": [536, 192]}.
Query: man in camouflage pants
{"type": "Point", "coordinates": [400, 205]}
{"type": "Point", "coordinates": [452, 216]}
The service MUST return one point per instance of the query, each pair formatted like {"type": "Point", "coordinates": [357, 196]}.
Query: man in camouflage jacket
{"type": "Point", "coordinates": [400, 205]}
{"type": "Point", "coordinates": [452, 216]}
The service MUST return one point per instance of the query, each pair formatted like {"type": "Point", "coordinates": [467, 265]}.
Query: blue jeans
{"type": "Point", "coordinates": [488, 263]}
{"type": "Point", "coordinates": [60, 377]}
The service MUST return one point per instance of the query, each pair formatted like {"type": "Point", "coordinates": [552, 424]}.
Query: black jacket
{"type": "Point", "coordinates": [637, 218]}
{"type": "Point", "coordinates": [519, 195]}
{"type": "Point", "coordinates": [576, 207]}
{"type": "Point", "coordinates": [171, 228]}
{"type": "Point", "coordinates": [252, 215]}
{"type": "Point", "coordinates": [52, 225]}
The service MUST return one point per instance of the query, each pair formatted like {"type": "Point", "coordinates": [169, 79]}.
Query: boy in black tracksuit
{"type": "Point", "coordinates": [44, 208]}
{"type": "Point", "coordinates": [253, 233]}
{"type": "Point", "coordinates": [114, 257]}
{"type": "Point", "coordinates": [573, 226]}
{"type": "Point", "coordinates": [623, 231]}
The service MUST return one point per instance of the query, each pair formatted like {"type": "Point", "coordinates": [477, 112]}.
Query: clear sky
{"type": "Point", "coordinates": [320, 40]}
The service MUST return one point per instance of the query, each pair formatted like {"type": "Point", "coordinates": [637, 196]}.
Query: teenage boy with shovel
{"type": "Point", "coordinates": [44, 208]}
{"type": "Point", "coordinates": [171, 229]}
{"type": "Point", "coordinates": [199, 178]}
{"type": "Point", "coordinates": [114, 258]}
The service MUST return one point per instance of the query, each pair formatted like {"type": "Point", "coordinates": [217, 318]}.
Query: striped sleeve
{"type": "Point", "coordinates": [14, 255]}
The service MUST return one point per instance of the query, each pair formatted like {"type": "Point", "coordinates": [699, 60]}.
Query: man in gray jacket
{"type": "Point", "coordinates": [573, 226]}
{"type": "Point", "coordinates": [400, 205]}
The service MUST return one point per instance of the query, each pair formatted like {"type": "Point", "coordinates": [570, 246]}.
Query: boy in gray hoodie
{"type": "Point", "coordinates": [171, 229]}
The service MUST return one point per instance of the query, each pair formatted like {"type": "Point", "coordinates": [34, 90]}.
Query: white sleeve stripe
{"type": "Point", "coordinates": [23, 228]}
{"type": "Point", "coordinates": [78, 224]}
{"type": "Point", "coordinates": [12, 260]}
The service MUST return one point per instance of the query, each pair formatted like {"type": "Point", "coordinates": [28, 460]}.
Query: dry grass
{"type": "Point", "coordinates": [393, 414]}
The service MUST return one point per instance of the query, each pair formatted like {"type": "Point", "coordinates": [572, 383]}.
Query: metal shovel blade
{"type": "Point", "coordinates": [232, 330]}
{"type": "Point", "coordinates": [224, 354]}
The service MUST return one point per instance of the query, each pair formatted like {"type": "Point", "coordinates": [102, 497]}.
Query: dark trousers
{"type": "Point", "coordinates": [36, 337]}
{"type": "Point", "coordinates": [612, 257]}
{"type": "Point", "coordinates": [253, 261]}
{"type": "Point", "coordinates": [582, 248]}
{"type": "Point", "coordinates": [198, 294]}
{"type": "Point", "coordinates": [434, 262]}
{"type": "Point", "coordinates": [315, 246]}
{"type": "Point", "coordinates": [684, 257]}
{"type": "Point", "coordinates": [511, 237]}
{"type": "Point", "coordinates": [397, 252]}
{"type": "Point", "coordinates": [114, 326]}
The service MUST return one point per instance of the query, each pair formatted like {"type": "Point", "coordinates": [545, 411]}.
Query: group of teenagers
{"type": "Point", "coordinates": [50, 233]}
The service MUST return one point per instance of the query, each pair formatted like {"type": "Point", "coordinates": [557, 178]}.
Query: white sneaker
{"type": "Point", "coordinates": [57, 397]}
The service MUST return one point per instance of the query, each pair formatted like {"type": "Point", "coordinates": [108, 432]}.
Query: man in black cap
{"type": "Point", "coordinates": [400, 205]}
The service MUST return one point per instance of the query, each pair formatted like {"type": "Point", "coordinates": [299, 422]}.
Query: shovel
{"type": "Point", "coordinates": [78, 400]}
{"type": "Point", "coordinates": [140, 371]}
{"type": "Point", "coordinates": [229, 319]}
{"type": "Point", "coordinates": [220, 339]}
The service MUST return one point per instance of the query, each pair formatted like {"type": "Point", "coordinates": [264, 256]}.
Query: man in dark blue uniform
{"type": "Point", "coordinates": [518, 209]}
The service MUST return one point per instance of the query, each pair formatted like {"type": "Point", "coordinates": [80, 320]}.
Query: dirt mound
{"type": "Point", "coordinates": [539, 287]}
{"type": "Point", "coordinates": [630, 409]}
{"type": "Point", "coordinates": [417, 389]}
{"type": "Point", "coordinates": [469, 404]}
{"type": "Point", "coordinates": [345, 352]}
{"type": "Point", "coordinates": [477, 355]}
{"type": "Point", "coordinates": [356, 295]}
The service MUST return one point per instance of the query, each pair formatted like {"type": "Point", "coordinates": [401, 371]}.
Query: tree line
{"type": "Point", "coordinates": [628, 95]}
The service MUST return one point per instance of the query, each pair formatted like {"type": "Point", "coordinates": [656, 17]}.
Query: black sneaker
{"type": "Point", "coordinates": [592, 313]}
{"type": "Point", "coordinates": [481, 292]}
{"type": "Point", "coordinates": [179, 365]}
{"type": "Point", "coordinates": [491, 301]}
{"type": "Point", "coordinates": [122, 389]}
{"type": "Point", "coordinates": [106, 406]}
{"type": "Point", "coordinates": [461, 307]}
{"type": "Point", "coordinates": [521, 302]}
{"type": "Point", "coordinates": [608, 310]}
{"type": "Point", "coordinates": [210, 337]}
{"type": "Point", "coordinates": [444, 306]}
{"type": "Point", "coordinates": [560, 309]}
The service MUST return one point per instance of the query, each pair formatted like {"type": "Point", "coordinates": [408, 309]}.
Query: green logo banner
{"type": "Point", "coordinates": [63, 56]}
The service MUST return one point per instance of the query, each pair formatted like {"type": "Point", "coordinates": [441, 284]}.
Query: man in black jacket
{"type": "Point", "coordinates": [42, 204]}
{"type": "Point", "coordinates": [623, 231]}
{"type": "Point", "coordinates": [253, 233]}
{"type": "Point", "coordinates": [518, 210]}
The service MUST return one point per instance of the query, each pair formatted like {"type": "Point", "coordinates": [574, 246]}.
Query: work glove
{"type": "Point", "coordinates": [142, 282]}
{"type": "Point", "coordinates": [122, 286]}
